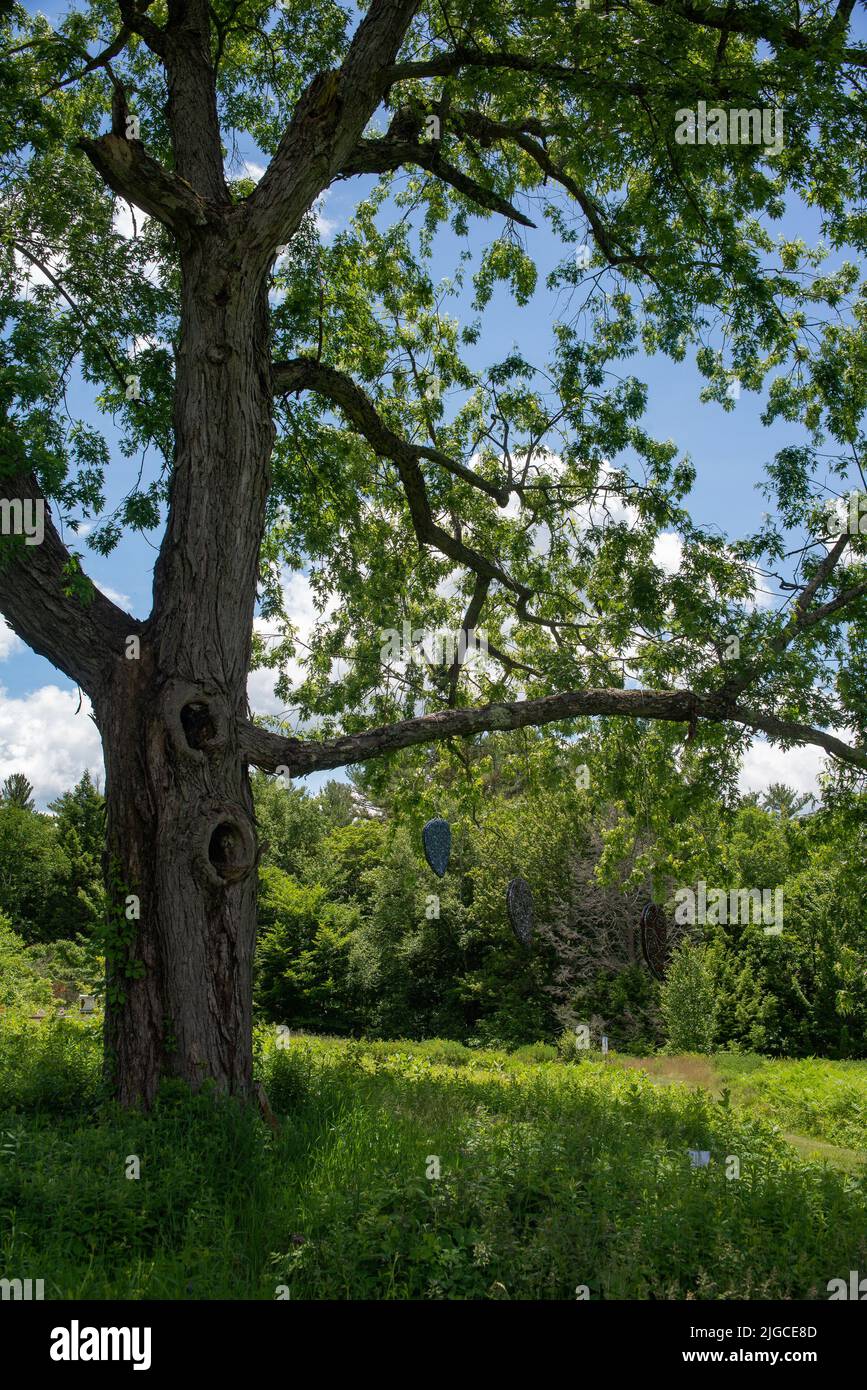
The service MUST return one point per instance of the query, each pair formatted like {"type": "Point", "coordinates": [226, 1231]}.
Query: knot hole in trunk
{"type": "Point", "coordinates": [199, 725]}
{"type": "Point", "coordinates": [226, 852]}
{"type": "Point", "coordinates": [196, 719]}
{"type": "Point", "coordinates": [229, 844]}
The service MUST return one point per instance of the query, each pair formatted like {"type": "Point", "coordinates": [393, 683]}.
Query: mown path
{"type": "Point", "coordinates": [699, 1073]}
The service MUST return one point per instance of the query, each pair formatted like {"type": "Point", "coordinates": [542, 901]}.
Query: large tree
{"type": "Point", "coordinates": [293, 404]}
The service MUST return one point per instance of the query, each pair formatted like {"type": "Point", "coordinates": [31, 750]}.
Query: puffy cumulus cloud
{"type": "Point", "coordinates": [9, 641]}
{"type": "Point", "coordinates": [325, 226]}
{"type": "Point", "coordinates": [298, 599]}
{"type": "Point", "coordinates": [764, 763]}
{"type": "Point", "coordinates": [260, 691]}
{"type": "Point", "coordinates": [127, 220]}
{"type": "Point", "coordinates": [122, 600]}
{"type": "Point", "coordinates": [668, 551]}
{"type": "Point", "coordinates": [49, 738]}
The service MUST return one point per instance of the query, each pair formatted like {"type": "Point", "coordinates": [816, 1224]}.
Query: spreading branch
{"type": "Point", "coordinates": [759, 22]}
{"type": "Point", "coordinates": [474, 123]}
{"type": "Point", "coordinates": [101, 60]}
{"type": "Point", "coordinates": [326, 126]}
{"type": "Point", "coordinates": [356, 405]}
{"type": "Point", "coordinates": [383, 156]}
{"type": "Point", "coordinates": [270, 751]}
{"type": "Point", "coordinates": [136, 19]}
{"type": "Point", "coordinates": [130, 171]}
{"type": "Point", "coordinates": [80, 635]}
{"type": "Point", "coordinates": [804, 617]}
{"type": "Point", "coordinates": [308, 374]}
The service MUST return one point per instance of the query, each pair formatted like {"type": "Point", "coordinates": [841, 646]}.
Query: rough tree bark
{"type": "Point", "coordinates": [181, 836]}
{"type": "Point", "coordinates": [181, 848]}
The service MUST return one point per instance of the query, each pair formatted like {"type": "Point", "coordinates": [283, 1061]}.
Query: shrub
{"type": "Point", "coordinates": [21, 986]}
{"type": "Point", "coordinates": [535, 1052]}
{"type": "Point", "coordinates": [688, 999]}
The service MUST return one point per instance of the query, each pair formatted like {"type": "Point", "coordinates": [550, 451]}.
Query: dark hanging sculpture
{"type": "Point", "coordinates": [654, 939]}
{"type": "Point", "coordinates": [519, 905]}
{"type": "Point", "coordinates": [437, 841]}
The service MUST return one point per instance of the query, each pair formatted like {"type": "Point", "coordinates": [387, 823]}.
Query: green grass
{"type": "Point", "coordinates": [812, 1099]}
{"type": "Point", "coordinates": [551, 1176]}
{"type": "Point", "coordinates": [826, 1100]}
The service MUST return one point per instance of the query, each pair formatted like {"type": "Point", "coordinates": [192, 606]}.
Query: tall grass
{"type": "Point", "coordinates": [827, 1100]}
{"type": "Point", "coordinates": [551, 1177]}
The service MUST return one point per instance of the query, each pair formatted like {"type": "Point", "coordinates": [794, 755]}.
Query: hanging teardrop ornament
{"type": "Point", "coordinates": [519, 905]}
{"type": "Point", "coordinates": [437, 841]}
{"type": "Point", "coordinates": [654, 939]}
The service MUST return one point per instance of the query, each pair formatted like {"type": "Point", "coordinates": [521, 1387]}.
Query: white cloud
{"type": "Point", "coordinates": [451, 584]}
{"type": "Point", "coordinates": [127, 220]}
{"type": "Point", "coordinates": [122, 600]}
{"type": "Point", "coordinates": [301, 609]}
{"type": "Point", "coordinates": [765, 763]}
{"type": "Point", "coordinates": [49, 738]}
{"type": "Point", "coordinates": [668, 551]}
{"type": "Point", "coordinates": [32, 274]}
{"type": "Point", "coordinates": [325, 226]}
{"type": "Point", "coordinates": [146, 344]}
{"type": "Point", "coordinates": [9, 641]}
{"type": "Point", "coordinates": [260, 692]}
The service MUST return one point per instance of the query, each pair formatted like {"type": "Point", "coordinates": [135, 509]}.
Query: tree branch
{"type": "Point", "coordinates": [138, 21]}
{"type": "Point", "coordinates": [758, 22]}
{"type": "Point", "coordinates": [102, 60]}
{"type": "Point", "coordinates": [382, 156]}
{"type": "Point", "coordinates": [130, 171]}
{"type": "Point", "coordinates": [308, 374]}
{"type": "Point", "coordinates": [447, 64]}
{"type": "Point", "coordinates": [471, 617]}
{"type": "Point", "coordinates": [327, 124]}
{"type": "Point", "coordinates": [78, 637]}
{"type": "Point", "coordinates": [270, 751]}
{"type": "Point", "coordinates": [481, 126]}
{"type": "Point", "coordinates": [803, 618]}
{"type": "Point", "coordinates": [362, 413]}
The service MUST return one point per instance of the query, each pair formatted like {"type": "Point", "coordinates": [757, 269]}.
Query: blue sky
{"type": "Point", "coordinates": [46, 735]}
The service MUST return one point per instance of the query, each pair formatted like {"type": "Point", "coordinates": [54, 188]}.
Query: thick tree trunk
{"type": "Point", "coordinates": [181, 859]}
{"type": "Point", "coordinates": [181, 841]}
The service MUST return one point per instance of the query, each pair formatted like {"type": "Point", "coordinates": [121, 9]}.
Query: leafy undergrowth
{"type": "Point", "coordinates": [552, 1176]}
{"type": "Point", "coordinates": [817, 1098]}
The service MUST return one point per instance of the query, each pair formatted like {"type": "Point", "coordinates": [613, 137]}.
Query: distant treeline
{"type": "Point", "coordinates": [358, 936]}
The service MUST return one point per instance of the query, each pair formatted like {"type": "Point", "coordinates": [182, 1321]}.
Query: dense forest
{"type": "Point", "coordinates": [358, 937]}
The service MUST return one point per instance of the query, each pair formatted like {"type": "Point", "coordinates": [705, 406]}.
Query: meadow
{"type": "Point", "coordinates": [556, 1179]}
